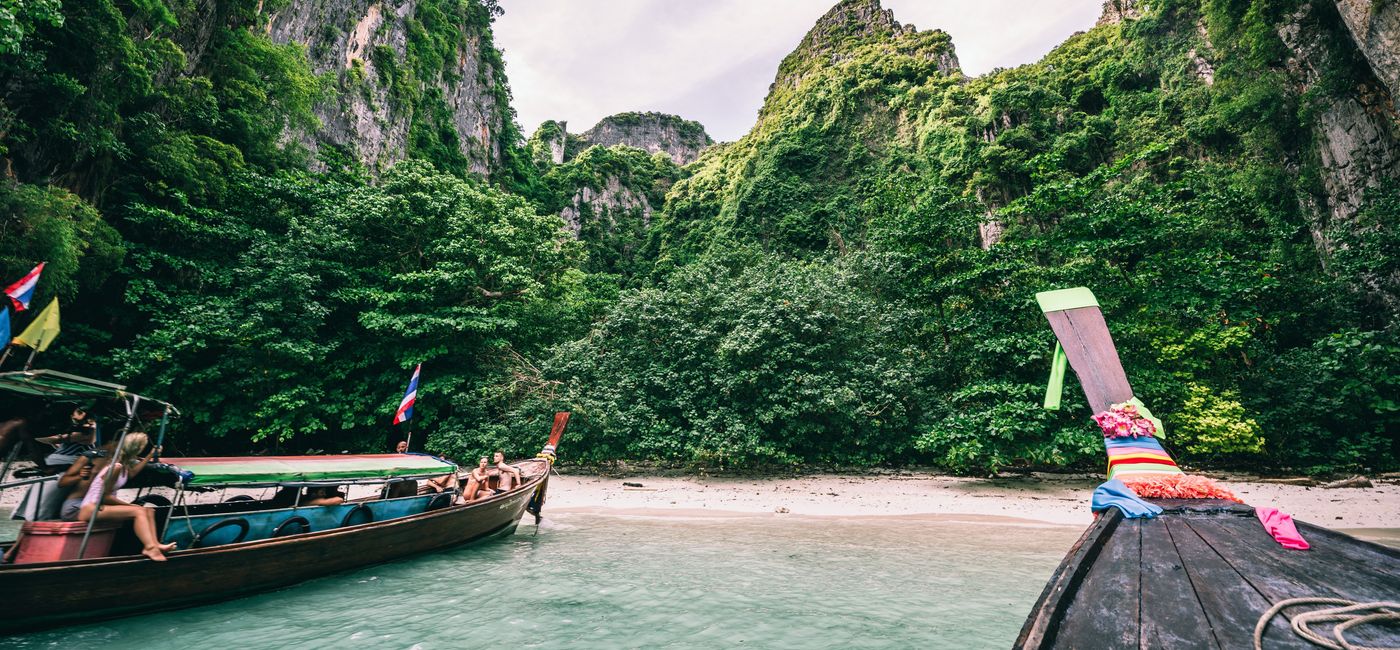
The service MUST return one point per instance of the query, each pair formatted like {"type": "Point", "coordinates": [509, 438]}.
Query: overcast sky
{"type": "Point", "coordinates": [712, 60]}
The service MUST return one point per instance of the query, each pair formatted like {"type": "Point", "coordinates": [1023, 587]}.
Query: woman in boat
{"type": "Point", "coordinates": [126, 464]}
{"type": "Point", "coordinates": [510, 476]}
{"type": "Point", "coordinates": [478, 480]}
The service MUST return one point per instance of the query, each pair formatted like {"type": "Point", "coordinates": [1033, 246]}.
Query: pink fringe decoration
{"type": "Point", "coordinates": [1177, 486]}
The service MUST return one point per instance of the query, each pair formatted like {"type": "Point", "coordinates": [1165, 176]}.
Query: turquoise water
{"type": "Point", "coordinates": [617, 581]}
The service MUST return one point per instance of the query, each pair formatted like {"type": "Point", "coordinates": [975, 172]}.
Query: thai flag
{"type": "Point", "coordinates": [406, 406]}
{"type": "Point", "coordinates": [21, 292]}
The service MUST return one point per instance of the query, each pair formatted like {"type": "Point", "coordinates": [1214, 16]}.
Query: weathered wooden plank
{"type": "Point", "coordinates": [1106, 610]}
{"type": "Point", "coordinates": [1089, 347]}
{"type": "Point", "coordinates": [1383, 559]}
{"type": "Point", "coordinates": [1060, 591]}
{"type": "Point", "coordinates": [1336, 566]}
{"type": "Point", "coordinates": [1172, 616]}
{"type": "Point", "coordinates": [1231, 603]}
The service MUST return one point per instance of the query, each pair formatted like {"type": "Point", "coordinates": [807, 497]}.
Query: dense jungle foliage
{"type": "Point", "coordinates": [851, 283]}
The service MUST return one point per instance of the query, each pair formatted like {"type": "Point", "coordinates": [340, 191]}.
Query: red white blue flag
{"type": "Point", "coordinates": [406, 406]}
{"type": "Point", "coordinates": [21, 292]}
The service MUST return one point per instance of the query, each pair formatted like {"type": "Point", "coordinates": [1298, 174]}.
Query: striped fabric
{"type": "Point", "coordinates": [1141, 455]}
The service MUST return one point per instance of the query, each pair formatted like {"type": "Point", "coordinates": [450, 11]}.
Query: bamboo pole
{"type": "Point", "coordinates": [111, 470]}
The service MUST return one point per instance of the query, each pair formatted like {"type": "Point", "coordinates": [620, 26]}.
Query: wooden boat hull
{"type": "Point", "coordinates": [1198, 576]}
{"type": "Point", "coordinates": [61, 593]}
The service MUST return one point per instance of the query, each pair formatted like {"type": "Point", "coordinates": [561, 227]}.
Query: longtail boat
{"type": "Point", "coordinates": [245, 545]}
{"type": "Point", "coordinates": [1204, 573]}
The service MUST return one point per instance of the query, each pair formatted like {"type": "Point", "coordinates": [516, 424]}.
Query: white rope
{"type": "Point", "coordinates": [1347, 616]}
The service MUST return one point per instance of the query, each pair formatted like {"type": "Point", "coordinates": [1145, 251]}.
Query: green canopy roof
{"type": "Point", "coordinates": [269, 470]}
{"type": "Point", "coordinates": [59, 385]}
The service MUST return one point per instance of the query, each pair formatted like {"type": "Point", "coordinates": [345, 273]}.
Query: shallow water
{"type": "Point", "coordinates": [618, 581]}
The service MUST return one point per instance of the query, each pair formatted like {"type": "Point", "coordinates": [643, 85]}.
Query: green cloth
{"type": "Point", "coordinates": [267, 470]}
{"type": "Point", "coordinates": [1147, 415]}
{"type": "Point", "coordinates": [1055, 388]}
{"type": "Point", "coordinates": [1063, 299]}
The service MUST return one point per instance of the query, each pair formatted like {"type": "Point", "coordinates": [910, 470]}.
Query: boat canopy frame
{"type": "Point", "coordinates": [61, 386]}
{"type": "Point", "coordinates": [303, 471]}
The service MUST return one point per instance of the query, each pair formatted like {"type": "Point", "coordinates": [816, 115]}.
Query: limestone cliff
{"type": "Point", "coordinates": [681, 139]}
{"type": "Point", "coordinates": [607, 197]}
{"type": "Point", "coordinates": [1375, 27]}
{"type": "Point", "coordinates": [838, 35]}
{"type": "Point", "coordinates": [398, 89]}
{"type": "Point", "coordinates": [1355, 129]}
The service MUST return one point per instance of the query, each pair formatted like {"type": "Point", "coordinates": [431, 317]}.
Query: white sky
{"type": "Point", "coordinates": [712, 60]}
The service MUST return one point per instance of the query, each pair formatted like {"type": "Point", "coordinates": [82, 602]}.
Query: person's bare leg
{"type": "Point", "coordinates": [141, 523]}
{"type": "Point", "coordinates": [149, 520]}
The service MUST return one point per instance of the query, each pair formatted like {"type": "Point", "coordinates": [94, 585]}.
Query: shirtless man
{"type": "Point", "coordinates": [510, 475]}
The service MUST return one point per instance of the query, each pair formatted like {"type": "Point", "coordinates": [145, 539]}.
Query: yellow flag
{"type": "Point", "coordinates": [42, 331]}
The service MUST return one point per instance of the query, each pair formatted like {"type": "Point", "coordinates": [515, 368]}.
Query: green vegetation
{"type": "Point", "coordinates": [852, 282]}
{"type": "Point", "coordinates": [689, 130]}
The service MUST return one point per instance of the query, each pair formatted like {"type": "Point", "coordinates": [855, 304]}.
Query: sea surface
{"type": "Point", "coordinates": [589, 580]}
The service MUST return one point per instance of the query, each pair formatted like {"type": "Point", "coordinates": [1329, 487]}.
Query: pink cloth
{"type": "Point", "coordinates": [1280, 525]}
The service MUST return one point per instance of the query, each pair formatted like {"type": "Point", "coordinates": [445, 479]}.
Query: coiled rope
{"type": "Point", "coordinates": [1348, 616]}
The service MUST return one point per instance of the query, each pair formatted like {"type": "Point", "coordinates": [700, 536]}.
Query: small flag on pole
{"type": "Point", "coordinates": [42, 331]}
{"type": "Point", "coordinates": [21, 292]}
{"type": "Point", "coordinates": [406, 406]}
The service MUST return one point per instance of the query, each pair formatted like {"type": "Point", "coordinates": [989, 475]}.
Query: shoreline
{"type": "Point", "coordinates": [1039, 499]}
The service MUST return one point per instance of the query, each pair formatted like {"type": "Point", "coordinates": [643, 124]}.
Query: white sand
{"type": "Point", "coordinates": [1045, 498]}
{"type": "Point", "coordinates": [1048, 498]}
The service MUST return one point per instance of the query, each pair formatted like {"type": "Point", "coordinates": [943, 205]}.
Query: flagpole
{"type": "Point", "coordinates": [29, 363]}
{"type": "Point", "coordinates": [6, 356]}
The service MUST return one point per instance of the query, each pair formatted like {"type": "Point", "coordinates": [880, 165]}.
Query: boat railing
{"type": "Point", "coordinates": [253, 522]}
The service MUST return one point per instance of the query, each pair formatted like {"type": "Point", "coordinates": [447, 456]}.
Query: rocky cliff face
{"type": "Point", "coordinates": [838, 35]}
{"type": "Point", "coordinates": [375, 112]}
{"type": "Point", "coordinates": [1375, 27]}
{"type": "Point", "coordinates": [1356, 130]}
{"type": "Point", "coordinates": [681, 139]}
{"type": "Point", "coordinates": [608, 205]}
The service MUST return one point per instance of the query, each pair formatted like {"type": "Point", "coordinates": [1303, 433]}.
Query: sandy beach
{"type": "Point", "coordinates": [1046, 498]}
{"type": "Point", "coordinates": [1054, 499]}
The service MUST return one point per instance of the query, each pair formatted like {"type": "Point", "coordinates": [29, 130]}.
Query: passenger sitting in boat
{"type": "Point", "coordinates": [438, 485]}
{"type": "Point", "coordinates": [326, 495]}
{"type": "Point", "coordinates": [121, 468]}
{"type": "Point", "coordinates": [402, 447]}
{"type": "Point", "coordinates": [78, 479]}
{"type": "Point", "coordinates": [510, 476]}
{"type": "Point", "coordinates": [79, 438]}
{"type": "Point", "coordinates": [285, 497]}
{"type": "Point", "coordinates": [478, 481]}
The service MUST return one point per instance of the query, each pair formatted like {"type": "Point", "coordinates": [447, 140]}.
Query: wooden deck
{"type": "Point", "coordinates": [1200, 576]}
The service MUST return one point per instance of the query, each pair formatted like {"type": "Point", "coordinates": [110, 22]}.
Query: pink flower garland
{"type": "Point", "coordinates": [1124, 421]}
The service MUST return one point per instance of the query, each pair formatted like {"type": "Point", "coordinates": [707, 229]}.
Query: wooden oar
{"type": "Point", "coordinates": [1079, 325]}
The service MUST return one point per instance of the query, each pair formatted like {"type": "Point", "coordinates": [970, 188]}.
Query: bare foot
{"type": "Point", "coordinates": [154, 552]}
{"type": "Point", "coordinates": [166, 548]}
